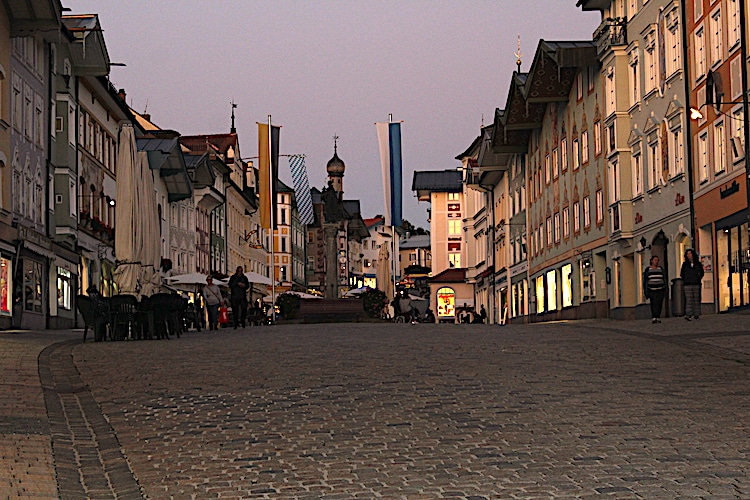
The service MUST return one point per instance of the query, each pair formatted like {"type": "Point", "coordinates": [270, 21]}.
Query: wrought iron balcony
{"type": "Point", "coordinates": [611, 32]}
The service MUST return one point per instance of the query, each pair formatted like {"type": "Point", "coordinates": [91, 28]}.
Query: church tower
{"type": "Point", "coordinates": [336, 169]}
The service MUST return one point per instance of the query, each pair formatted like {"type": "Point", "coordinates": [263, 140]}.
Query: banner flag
{"type": "Point", "coordinates": [268, 169]}
{"type": "Point", "coordinates": [389, 140]}
{"type": "Point", "coordinates": [301, 188]}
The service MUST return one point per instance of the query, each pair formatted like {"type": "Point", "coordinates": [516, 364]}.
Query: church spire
{"type": "Point", "coordinates": [233, 130]}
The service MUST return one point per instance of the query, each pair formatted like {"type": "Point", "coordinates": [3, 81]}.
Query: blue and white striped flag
{"type": "Point", "coordinates": [389, 140]}
{"type": "Point", "coordinates": [301, 188]}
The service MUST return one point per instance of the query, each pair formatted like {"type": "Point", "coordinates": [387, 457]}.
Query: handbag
{"type": "Point", "coordinates": [223, 315]}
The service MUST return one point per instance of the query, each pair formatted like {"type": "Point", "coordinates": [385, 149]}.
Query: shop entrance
{"type": "Point", "coordinates": [733, 253]}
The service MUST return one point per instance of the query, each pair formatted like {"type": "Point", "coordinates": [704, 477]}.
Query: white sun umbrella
{"type": "Point", "coordinates": [383, 274]}
{"type": "Point", "coordinates": [356, 292]}
{"type": "Point", "coordinates": [150, 257]}
{"type": "Point", "coordinates": [302, 295]}
{"type": "Point", "coordinates": [127, 272]}
{"type": "Point", "coordinates": [254, 277]}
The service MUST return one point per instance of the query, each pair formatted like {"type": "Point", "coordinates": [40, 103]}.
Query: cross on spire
{"type": "Point", "coordinates": [335, 143]}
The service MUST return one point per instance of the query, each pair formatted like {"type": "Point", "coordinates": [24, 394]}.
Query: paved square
{"type": "Point", "coordinates": [567, 410]}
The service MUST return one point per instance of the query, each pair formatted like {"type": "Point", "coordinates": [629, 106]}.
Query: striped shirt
{"type": "Point", "coordinates": [654, 278]}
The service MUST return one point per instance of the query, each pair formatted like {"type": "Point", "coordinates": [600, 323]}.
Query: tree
{"type": "Point", "coordinates": [409, 227]}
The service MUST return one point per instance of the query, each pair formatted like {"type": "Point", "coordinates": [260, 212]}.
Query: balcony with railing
{"type": "Point", "coordinates": [611, 32]}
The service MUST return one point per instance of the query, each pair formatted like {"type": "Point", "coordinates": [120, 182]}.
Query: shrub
{"type": "Point", "coordinates": [288, 305]}
{"type": "Point", "coordinates": [374, 302]}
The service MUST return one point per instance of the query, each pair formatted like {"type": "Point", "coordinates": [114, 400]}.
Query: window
{"type": "Point", "coordinates": [738, 137]}
{"type": "Point", "coordinates": [579, 86]}
{"type": "Point", "coordinates": [17, 104]}
{"type": "Point", "coordinates": [576, 217]}
{"type": "Point", "coordinates": [597, 138]}
{"type": "Point", "coordinates": [557, 227]}
{"type": "Point", "coordinates": [566, 282]}
{"type": "Point", "coordinates": [547, 168]}
{"type": "Point", "coordinates": [549, 232]}
{"type": "Point", "coordinates": [720, 150]}
{"type": "Point", "coordinates": [454, 227]}
{"type": "Point", "coordinates": [586, 212]}
{"type": "Point", "coordinates": [650, 60]}
{"type": "Point", "coordinates": [654, 164]}
{"type": "Point", "coordinates": [637, 174]}
{"type": "Point", "coordinates": [672, 42]}
{"type": "Point", "coordinates": [539, 294]}
{"type": "Point", "coordinates": [614, 183]}
{"type": "Point", "coordinates": [609, 84]}
{"type": "Point", "coordinates": [32, 286]}
{"type": "Point", "coordinates": [700, 53]}
{"type": "Point", "coordinates": [717, 44]}
{"type": "Point", "coordinates": [676, 165]}
{"type": "Point", "coordinates": [454, 259]}
{"type": "Point", "coordinates": [564, 154]}
{"type": "Point", "coordinates": [733, 23]}
{"type": "Point", "coordinates": [634, 79]}
{"type": "Point", "coordinates": [453, 196]}
{"type": "Point", "coordinates": [702, 159]}
{"type": "Point", "coordinates": [282, 218]}
{"type": "Point", "coordinates": [28, 113]}
{"type": "Point", "coordinates": [576, 155]}
{"type": "Point", "coordinates": [584, 147]}
{"type": "Point", "coordinates": [284, 244]}
{"type": "Point", "coordinates": [566, 222]}
{"type": "Point", "coordinates": [552, 290]}
{"type": "Point", "coordinates": [555, 164]}
{"type": "Point", "coordinates": [599, 207]}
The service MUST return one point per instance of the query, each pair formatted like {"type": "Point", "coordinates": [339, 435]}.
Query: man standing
{"type": "Point", "coordinates": [238, 286]}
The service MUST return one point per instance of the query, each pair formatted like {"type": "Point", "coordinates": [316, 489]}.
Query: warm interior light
{"type": "Point", "coordinates": [695, 114]}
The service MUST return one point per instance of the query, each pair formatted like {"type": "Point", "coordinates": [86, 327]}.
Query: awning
{"type": "Point", "coordinates": [39, 250]}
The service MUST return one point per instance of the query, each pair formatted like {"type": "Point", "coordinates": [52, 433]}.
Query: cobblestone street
{"type": "Point", "coordinates": [609, 409]}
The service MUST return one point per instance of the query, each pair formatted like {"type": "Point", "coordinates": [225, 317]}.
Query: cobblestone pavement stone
{"type": "Point", "coordinates": [605, 409]}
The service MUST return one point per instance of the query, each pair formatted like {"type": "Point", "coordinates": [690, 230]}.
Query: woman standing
{"type": "Point", "coordinates": [655, 287]}
{"type": "Point", "coordinates": [692, 275]}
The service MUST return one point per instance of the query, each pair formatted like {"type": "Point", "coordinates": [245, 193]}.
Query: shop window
{"type": "Point", "coordinates": [64, 289]}
{"type": "Point", "coordinates": [5, 286]}
{"type": "Point", "coordinates": [32, 286]}
{"type": "Point", "coordinates": [566, 281]}
{"type": "Point", "coordinates": [446, 303]}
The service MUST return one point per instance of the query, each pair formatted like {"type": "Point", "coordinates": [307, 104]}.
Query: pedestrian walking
{"type": "Point", "coordinates": [655, 287]}
{"type": "Point", "coordinates": [212, 298]}
{"type": "Point", "coordinates": [483, 314]}
{"type": "Point", "coordinates": [692, 275]}
{"type": "Point", "coordinates": [238, 286]}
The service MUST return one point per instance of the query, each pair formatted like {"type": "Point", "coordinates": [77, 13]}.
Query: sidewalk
{"type": "Point", "coordinates": [26, 463]}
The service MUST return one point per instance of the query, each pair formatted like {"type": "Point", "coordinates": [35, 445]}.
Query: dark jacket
{"type": "Point", "coordinates": [238, 292]}
{"type": "Point", "coordinates": [691, 274]}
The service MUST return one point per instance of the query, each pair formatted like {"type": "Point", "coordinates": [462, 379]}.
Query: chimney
{"type": "Point", "coordinates": [146, 116]}
{"type": "Point", "coordinates": [121, 93]}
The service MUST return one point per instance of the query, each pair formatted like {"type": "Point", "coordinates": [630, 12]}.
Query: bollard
{"type": "Point", "coordinates": [678, 297]}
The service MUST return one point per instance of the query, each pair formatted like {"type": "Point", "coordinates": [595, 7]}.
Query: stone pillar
{"type": "Point", "coordinates": [330, 233]}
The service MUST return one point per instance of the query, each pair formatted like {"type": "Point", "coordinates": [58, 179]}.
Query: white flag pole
{"type": "Point", "coordinates": [273, 215]}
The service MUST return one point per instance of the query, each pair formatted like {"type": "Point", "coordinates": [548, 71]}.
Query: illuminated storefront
{"type": "Point", "coordinates": [6, 287]}
{"type": "Point", "coordinates": [566, 282]}
{"type": "Point", "coordinates": [446, 300]}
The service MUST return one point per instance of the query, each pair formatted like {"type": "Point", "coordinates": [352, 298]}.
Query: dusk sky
{"type": "Point", "coordinates": [323, 68]}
